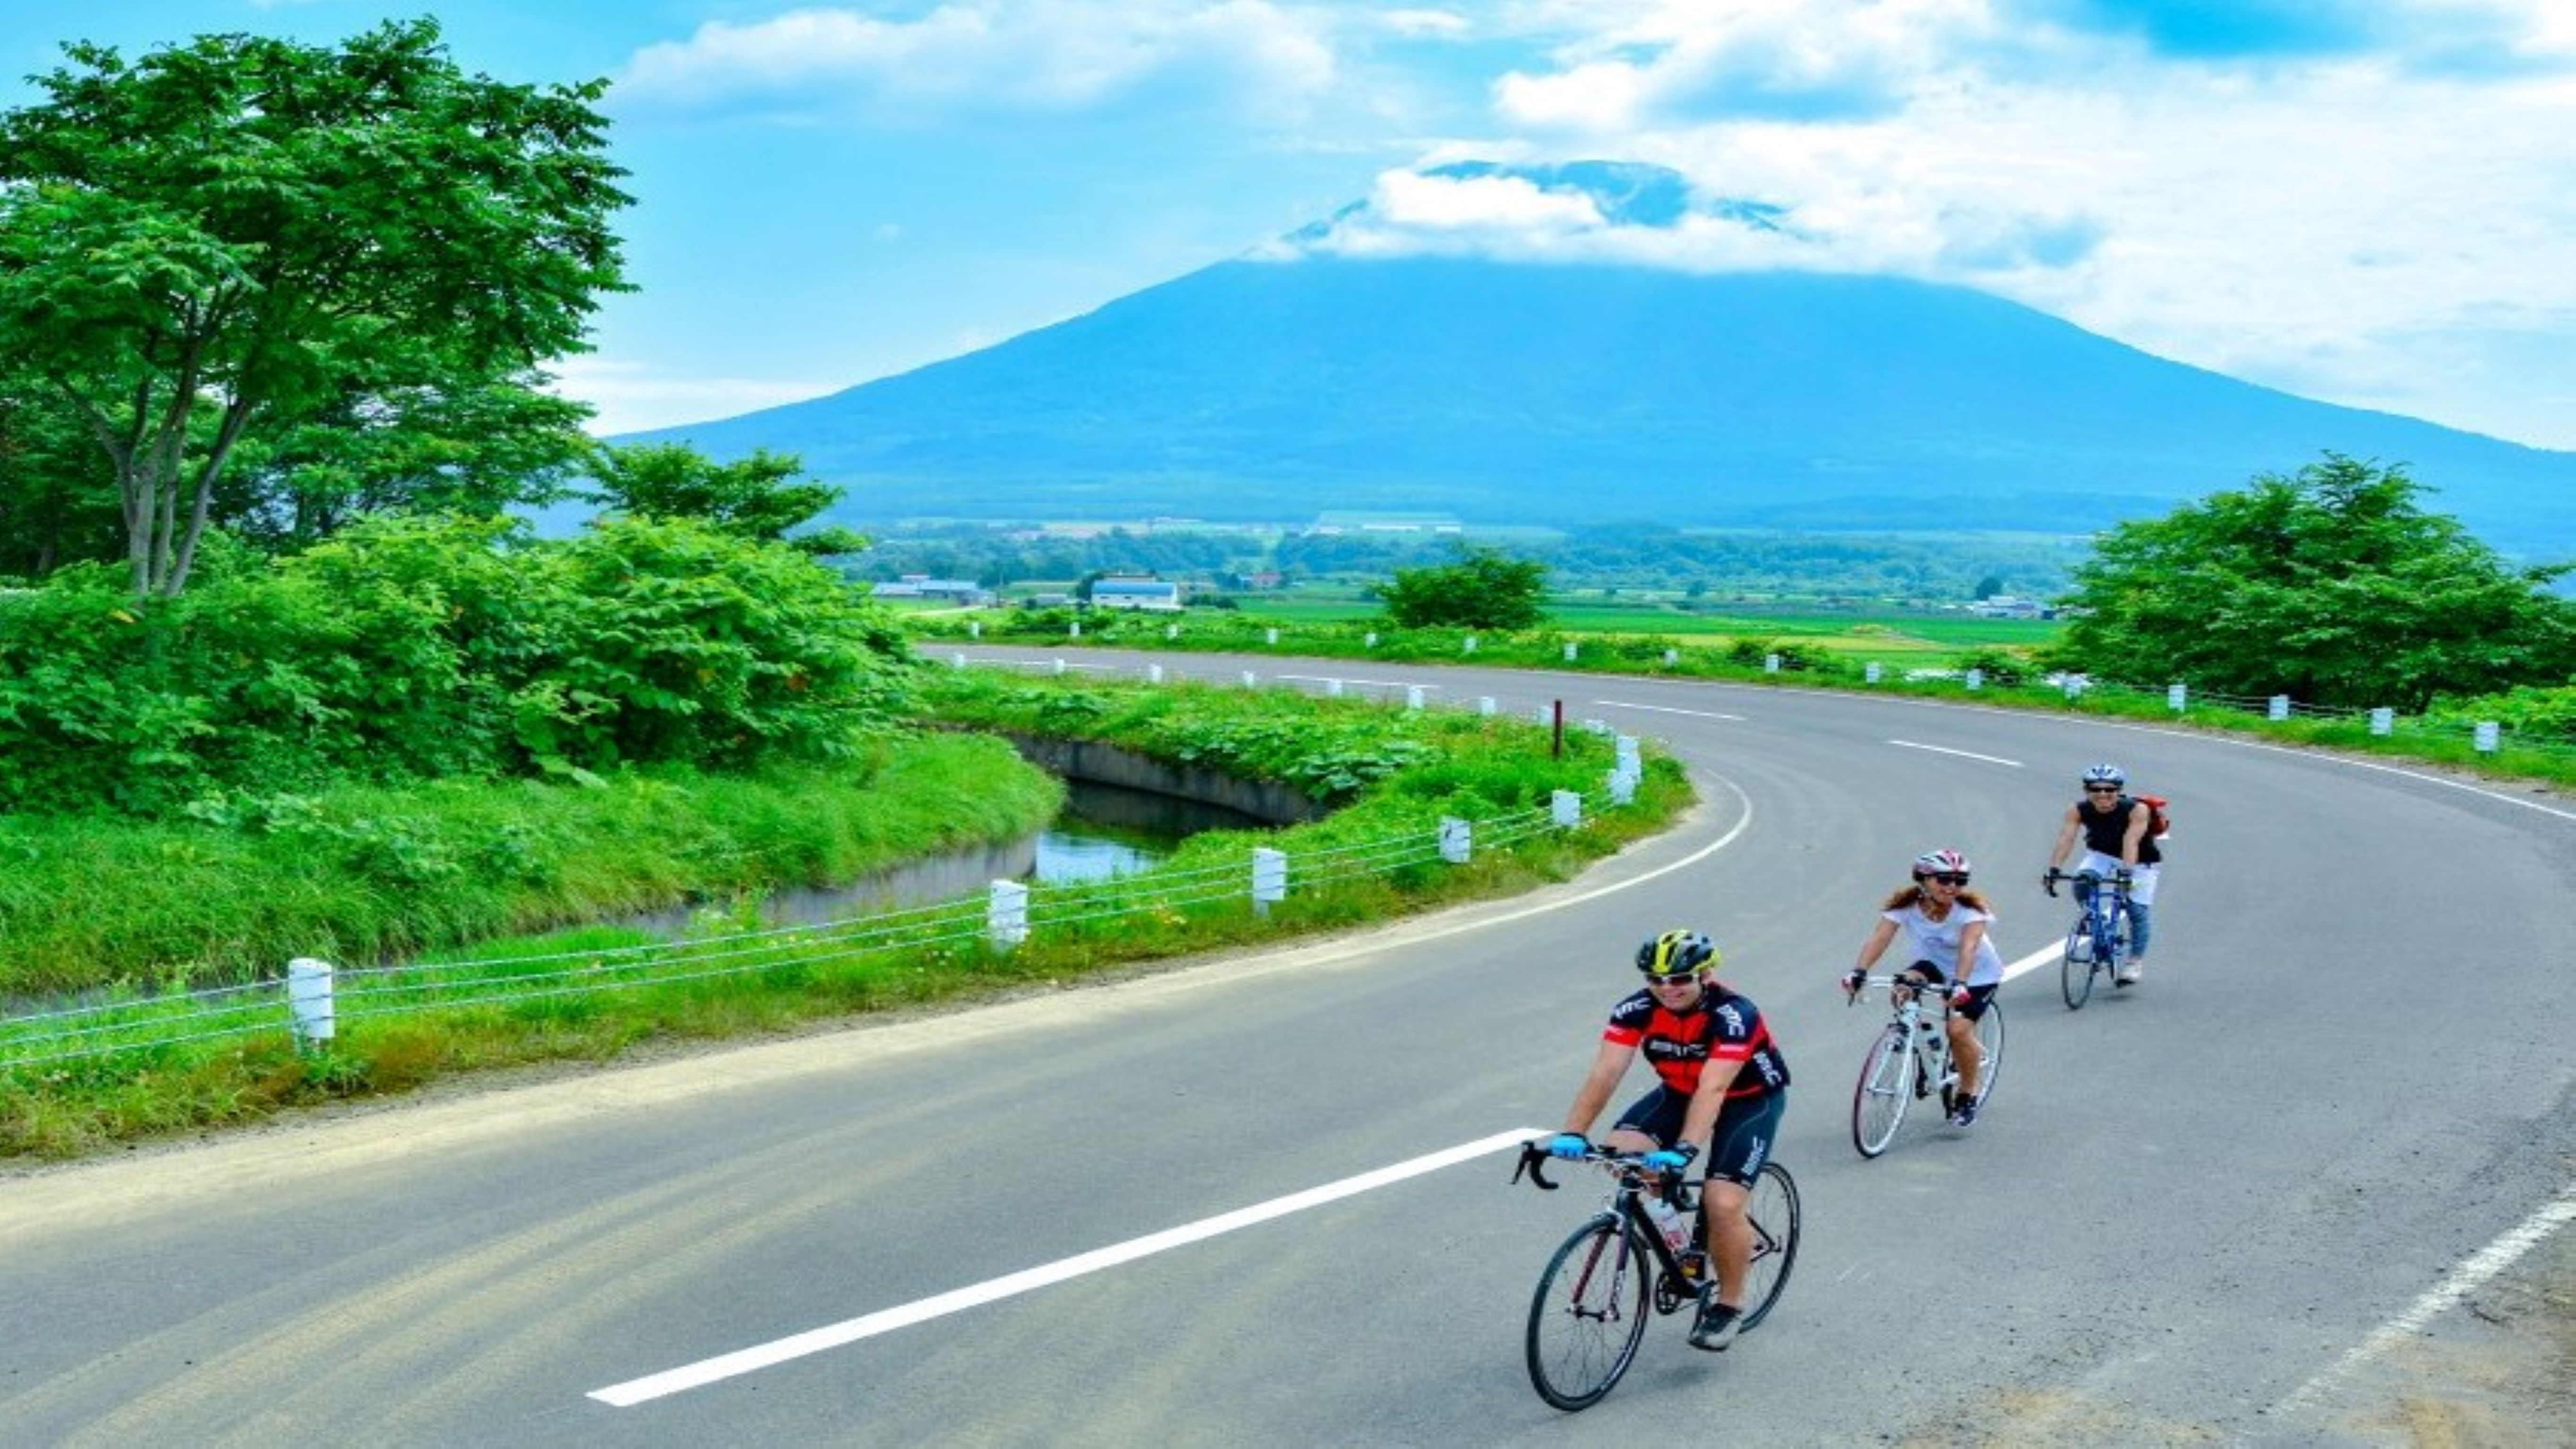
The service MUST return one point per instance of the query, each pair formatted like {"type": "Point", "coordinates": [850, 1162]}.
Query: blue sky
{"type": "Point", "coordinates": [2371, 202]}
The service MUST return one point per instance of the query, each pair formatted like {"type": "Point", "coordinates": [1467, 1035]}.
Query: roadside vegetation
{"type": "Point", "coordinates": [1392, 774]}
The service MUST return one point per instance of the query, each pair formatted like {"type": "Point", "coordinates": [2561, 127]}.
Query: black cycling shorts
{"type": "Point", "coordinates": [1978, 996]}
{"type": "Point", "coordinates": [1747, 1128]}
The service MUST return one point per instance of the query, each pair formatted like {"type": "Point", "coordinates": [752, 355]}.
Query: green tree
{"type": "Point", "coordinates": [57, 501]}
{"type": "Point", "coordinates": [751, 498]}
{"type": "Point", "coordinates": [263, 230]}
{"type": "Point", "coordinates": [1480, 588]}
{"type": "Point", "coordinates": [476, 449]}
{"type": "Point", "coordinates": [2331, 586]}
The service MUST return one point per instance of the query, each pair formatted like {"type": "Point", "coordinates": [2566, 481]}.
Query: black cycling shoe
{"type": "Point", "coordinates": [1717, 1325]}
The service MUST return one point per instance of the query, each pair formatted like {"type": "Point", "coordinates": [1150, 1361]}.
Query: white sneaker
{"type": "Point", "coordinates": [2129, 973]}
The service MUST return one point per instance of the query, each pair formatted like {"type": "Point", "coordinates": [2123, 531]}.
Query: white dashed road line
{"type": "Point", "coordinates": [1962, 754]}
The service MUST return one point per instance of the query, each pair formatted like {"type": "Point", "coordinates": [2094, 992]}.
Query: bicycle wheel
{"type": "Point", "coordinates": [1588, 1314]}
{"type": "Point", "coordinates": [1774, 1211]}
{"type": "Point", "coordinates": [1878, 1103]}
{"type": "Point", "coordinates": [2075, 969]}
{"type": "Point", "coordinates": [1990, 1035]}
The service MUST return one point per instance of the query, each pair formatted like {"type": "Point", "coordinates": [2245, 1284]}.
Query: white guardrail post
{"type": "Point", "coordinates": [1565, 809]}
{"type": "Point", "coordinates": [1869, 672]}
{"type": "Point", "coordinates": [1269, 878]}
{"type": "Point", "coordinates": [1457, 840]}
{"type": "Point", "coordinates": [1484, 704]}
{"type": "Point", "coordinates": [1006, 915]}
{"type": "Point", "coordinates": [2175, 695]}
{"type": "Point", "coordinates": [2382, 721]}
{"type": "Point", "coordinates": [1629, 768]}
{"type": "Point", "coordinates": [2279, 708]}
{"type": "Point", "coordinates": [2486, 737]}
{"type": "Point", "coordinates": [308, 1001]}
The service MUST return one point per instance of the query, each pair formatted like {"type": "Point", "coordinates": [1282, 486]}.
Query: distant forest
{"type": "Point", "coordinates": [1933, 568]}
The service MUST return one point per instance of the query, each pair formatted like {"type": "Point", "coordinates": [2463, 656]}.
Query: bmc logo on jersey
{"type": "Point", "coordinates": [1733, 1018]}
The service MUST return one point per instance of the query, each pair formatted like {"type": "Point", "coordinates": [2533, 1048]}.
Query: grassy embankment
{"type": "Point", "coordinates": [122, 911]}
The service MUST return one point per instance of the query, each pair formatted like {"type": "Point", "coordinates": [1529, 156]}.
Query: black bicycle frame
{"type": "Point", "coordinates": [1627, 1206]}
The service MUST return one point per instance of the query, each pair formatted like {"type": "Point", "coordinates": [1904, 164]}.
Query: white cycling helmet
{"type": "Point", "coordinates": [1944, 861]}
{"type": "Point", "coordinates": [2105, 775]}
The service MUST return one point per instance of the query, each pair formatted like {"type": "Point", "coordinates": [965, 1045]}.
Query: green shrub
{"type": "Point", "coordinates": [416, 649]}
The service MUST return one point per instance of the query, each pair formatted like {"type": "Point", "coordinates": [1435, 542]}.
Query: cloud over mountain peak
{"type": "Point", "coordinates": [1597, 211]}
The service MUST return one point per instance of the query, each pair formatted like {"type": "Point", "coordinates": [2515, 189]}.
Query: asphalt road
{"type": "Point", "coordinates": [2205, 1210]}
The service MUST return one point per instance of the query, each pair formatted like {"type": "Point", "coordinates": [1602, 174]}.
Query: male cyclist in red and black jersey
{"type": "Point", "coordinates": [1723, 1082]}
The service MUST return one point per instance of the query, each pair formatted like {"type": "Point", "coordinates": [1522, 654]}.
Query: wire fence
{"type": "Point", "coordinates": [313, 999]}
{"type": "Point", "coordinates": [2436, 735]}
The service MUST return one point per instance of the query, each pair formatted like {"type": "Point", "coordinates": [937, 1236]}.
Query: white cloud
{"type": "Point", "coordinates": [2334, 220]}
{"type": "Point", "coordinates": [1667, 64]}
{"type": "Point", "coordinates": [1419, 24]}
{"type": "Point", "coordinates": [995, 56]}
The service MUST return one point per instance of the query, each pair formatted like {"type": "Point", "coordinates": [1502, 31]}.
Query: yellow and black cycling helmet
{"type": "Point", "coordinates": [1677, 953]}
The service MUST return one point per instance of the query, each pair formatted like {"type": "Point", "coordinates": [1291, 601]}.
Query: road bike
{"type": "Point", "coordinates": [1910, 1059]}
{"type": "Point", "coordinates": [2099, 940]}
{"type": "Point", "coordinates": [1590, 1310]}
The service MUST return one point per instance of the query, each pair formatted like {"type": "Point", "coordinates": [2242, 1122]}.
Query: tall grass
{"type": "Point", "coordinates": [365, 875]}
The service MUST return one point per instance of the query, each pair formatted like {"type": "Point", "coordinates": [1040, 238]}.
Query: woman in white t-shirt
{"type": "Point", "coordinates": [1944, 924]}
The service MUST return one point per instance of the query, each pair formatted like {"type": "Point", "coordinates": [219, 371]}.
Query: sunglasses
{"type": "Point", "coordinates": [1685, 979]}
{"type": "Point", "coordinates": [1947, 879]}
{"type": "Point", "coordinates": [2101, 789]}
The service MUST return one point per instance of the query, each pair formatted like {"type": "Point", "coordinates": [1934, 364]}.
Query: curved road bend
{"type": "Point", "coordinates": [2212, 1209]}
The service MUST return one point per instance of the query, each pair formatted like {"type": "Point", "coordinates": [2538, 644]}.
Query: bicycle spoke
{"type": "Point", "coordinates": [1990, 1037]}
{"type": "Point", "coordinates": [1879, 1102]}
{"type": "Point", "coordinates": [1588, 1314]}
{"type": "Point", "coordinates": [2075, 972]}
{"type": "Point", "coordinates": [1773, 1207]}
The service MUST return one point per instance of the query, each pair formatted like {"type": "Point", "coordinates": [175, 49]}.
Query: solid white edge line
{"type": "Point", "coordinates": [748, 1360]}
{"type": "Point", "coordinates": [1962, 754]}
{"type": "Point", "coordinates": [2463, 1280]}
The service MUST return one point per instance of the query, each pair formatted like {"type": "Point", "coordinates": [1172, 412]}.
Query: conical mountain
{"type": "Point", "coordinates": [1511, 393]}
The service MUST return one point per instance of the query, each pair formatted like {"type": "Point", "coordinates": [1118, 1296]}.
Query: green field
{"type": "Point", "coordinates": [1875, 630]}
